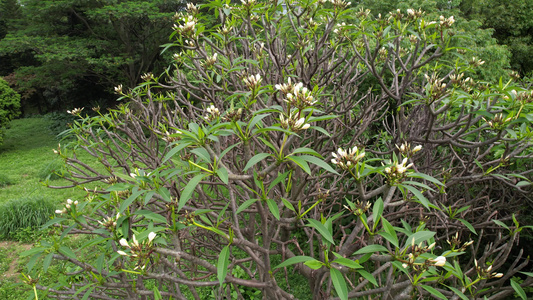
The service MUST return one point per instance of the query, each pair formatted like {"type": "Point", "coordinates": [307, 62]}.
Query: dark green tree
{"type": "Point", "coordinates": [513, 26]}
{"type": "Point", "coordinates": [477, 39]}
{"type": "Point", "coordinates": [81, 49]}
{"type": "Point", "coordinates": [9, 106]}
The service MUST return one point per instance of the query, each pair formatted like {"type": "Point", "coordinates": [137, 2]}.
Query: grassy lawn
{"type": "Point", "coordinates": [26, 159]}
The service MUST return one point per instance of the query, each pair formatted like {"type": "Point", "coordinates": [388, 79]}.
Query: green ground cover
{"type": "Point", "coordinates": [26, 160]}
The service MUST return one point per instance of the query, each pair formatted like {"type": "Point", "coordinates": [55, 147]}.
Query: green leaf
{"type": "Point", "coordinates": [426, 177]}
{"type": "Point", "coordinates": [300, 162]}
{"type": "Point", "coordinates": [371, 249]}
{"type": "Point", "coordinates": [88, 293]}
{"type": "Point", "coordinates": [278, 179]}
{"type": "Point", "coordinates": [501, 224]}
{"type": "Point", "coordinates": [294, 260]}
{"type": "Point", "coordinates": [421, 198]}
{"type": "Point", "coordinates": [339, 283]}
{"type": "Point", "coordinates": [368, 276]}
{"type": "Point", "coordinates": [157, 294]}
{"type": "Point", "coordinates": [319, 162]}
{"type": "Point", "coordinates": [246, 204]}
{"type": "Point", "coordinates": [306, 151]}
{"type": "Point", "coordinates": [322, 230]}
{"type": "Point", "coordinates": [273, 207]}
{"type": "Point", "coordinates": [377, 210]}
{"type": "Point", "coordinates": [518, 289]}
{"type": "Point", "coordinates": [222, 265]}
{"type": "Point", "coordinates": [314, 264]}
{"type": "Point", "coordinates": [134, 195]}
{"type": "Point", "coordinates": [151, 216]}
{"type": "Point", "coordinates": [254, 160]}
{"type": "Point", "coordinates": [255, 120]}
{"type": "Point", "coordinates": [202, 154]}
{"type": "Point", "coordinates": [223, 175]}
{"type": "Point", "coordinates": [67, 252]}
{"type": "Point", "coordinates": [347, 262]}
{"type": "Point", "coordinates": [288, 204]}
{"type": "Point", "coordinates": [392, 236]}
{"type": "Point", "coordinates": [434, 292]}
{"type": "Point", "coordinates": [47, 260]}
{"type": "Point", "coordinates": [174, 150]}
{"type": "Point", "coordinates": [468, 225]}
{"type": "Point", "coordinates": [187, 192]}
{"type": "Point", "coordinates": [458, 292]}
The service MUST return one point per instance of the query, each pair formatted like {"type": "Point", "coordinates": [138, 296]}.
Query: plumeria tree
{"type": "Point", "coordinates": [302, 141]}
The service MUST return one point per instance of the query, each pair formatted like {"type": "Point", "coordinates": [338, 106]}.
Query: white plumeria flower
{"type": "Point", "coordinates": [124, 243]}
{"type": "Point", "coordinates": [151, 236]}
{"type": "Point", "coordinates": [69, 201]}
{"type": "Point", "coordinates": [122, 253]}
{"type": "Point", "coordinates": [439, 261]}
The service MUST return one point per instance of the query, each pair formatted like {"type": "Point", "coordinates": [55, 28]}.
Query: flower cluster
{"type": "Point", "coordinates": [341, 4]}
{"type": "Point", "coordinates": [436, 88]}
{"type": "Point", "coordinates": [188, 28]}
{"type": "Point", "coordinates": [248, 2]}
{"type": "Point", "coordinates": [340, 28]}
{"type": "Point", "coordinates": [110, 222]}
{"type": "Point", "coordinates": [68, 207]}
{"type": "Point", "coordinates": [414, 14]}
{"type": "Point", "coordinates": [358, 208]}
{"type": "Point", "coordinates": [147, 76]}
{"type": "Point", "coordinates": [382, 54]}
{"type": "Point", "coordinates": [446, 22]}
{"type": "Point", "coordinates": [347, 159]}
{"type": "Point", "coordinates": [118, 89]}
{"type": "Point", "coordinates": [285, 88]}
{"type": "Point", "coordinates": [75, 111]}
{"type": "Point", "coordinates": [253, 82]}
{"type": "Point", "coordinates": [224, 30]}
{"type": "Point", "coordinates": [475, 62]}
{"type": "Point", "coordinates": [406, 151]}
{"type": "Point", "coordinates": [212, 113]}
{"type": "Point", "coordinates": [293, 123]}
{"type": "Point", "coordinates": [486, 272]}
{"type": "Point", "coordinates": [141, 251]}
{"type": "Point", "coordinates": [396, 172]}
{"type": "Point", "coordinates": [192, 9]}
{"type": "Point", "coordinates": [498, 122]}
{"type": "Point", "coordinates": [170, 138]}
{"type": "Point", "coordinates": [455, 243]}
{"type": "Point", "coordinates": [526, 96]}
{"type": "Point", "coordinates": [296, 95]}
{"type": "Point", "coordinates": [210, 61]}
{"type": "Point", "coordinates": [233, 114]}
{"type": "Point", "coordinates": [362, 13]}
{"type": "Point", "coordinates": [416, 251]}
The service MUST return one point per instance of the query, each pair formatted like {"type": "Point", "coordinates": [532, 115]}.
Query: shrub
{"type": "Point", "coordinates": [9, 105]}
{"type": "Point", "coordinates": [345, 147]}
{"type": "Point", "coordinates": [24, 214]}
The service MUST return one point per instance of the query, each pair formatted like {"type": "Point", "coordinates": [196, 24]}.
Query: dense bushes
{"type": "Point", "coordinates": [9, 105]}
{"type": "Point", "coordinates": [320, 140]}
{"type": "Point", "coordinates": [20, 217]}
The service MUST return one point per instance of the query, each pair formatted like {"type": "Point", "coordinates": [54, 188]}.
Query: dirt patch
{"type": "Point", "coordinates": [12, 250]}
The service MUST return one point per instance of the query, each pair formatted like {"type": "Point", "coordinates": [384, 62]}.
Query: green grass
{"type": "Point", "coordinates": [26, 158]}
